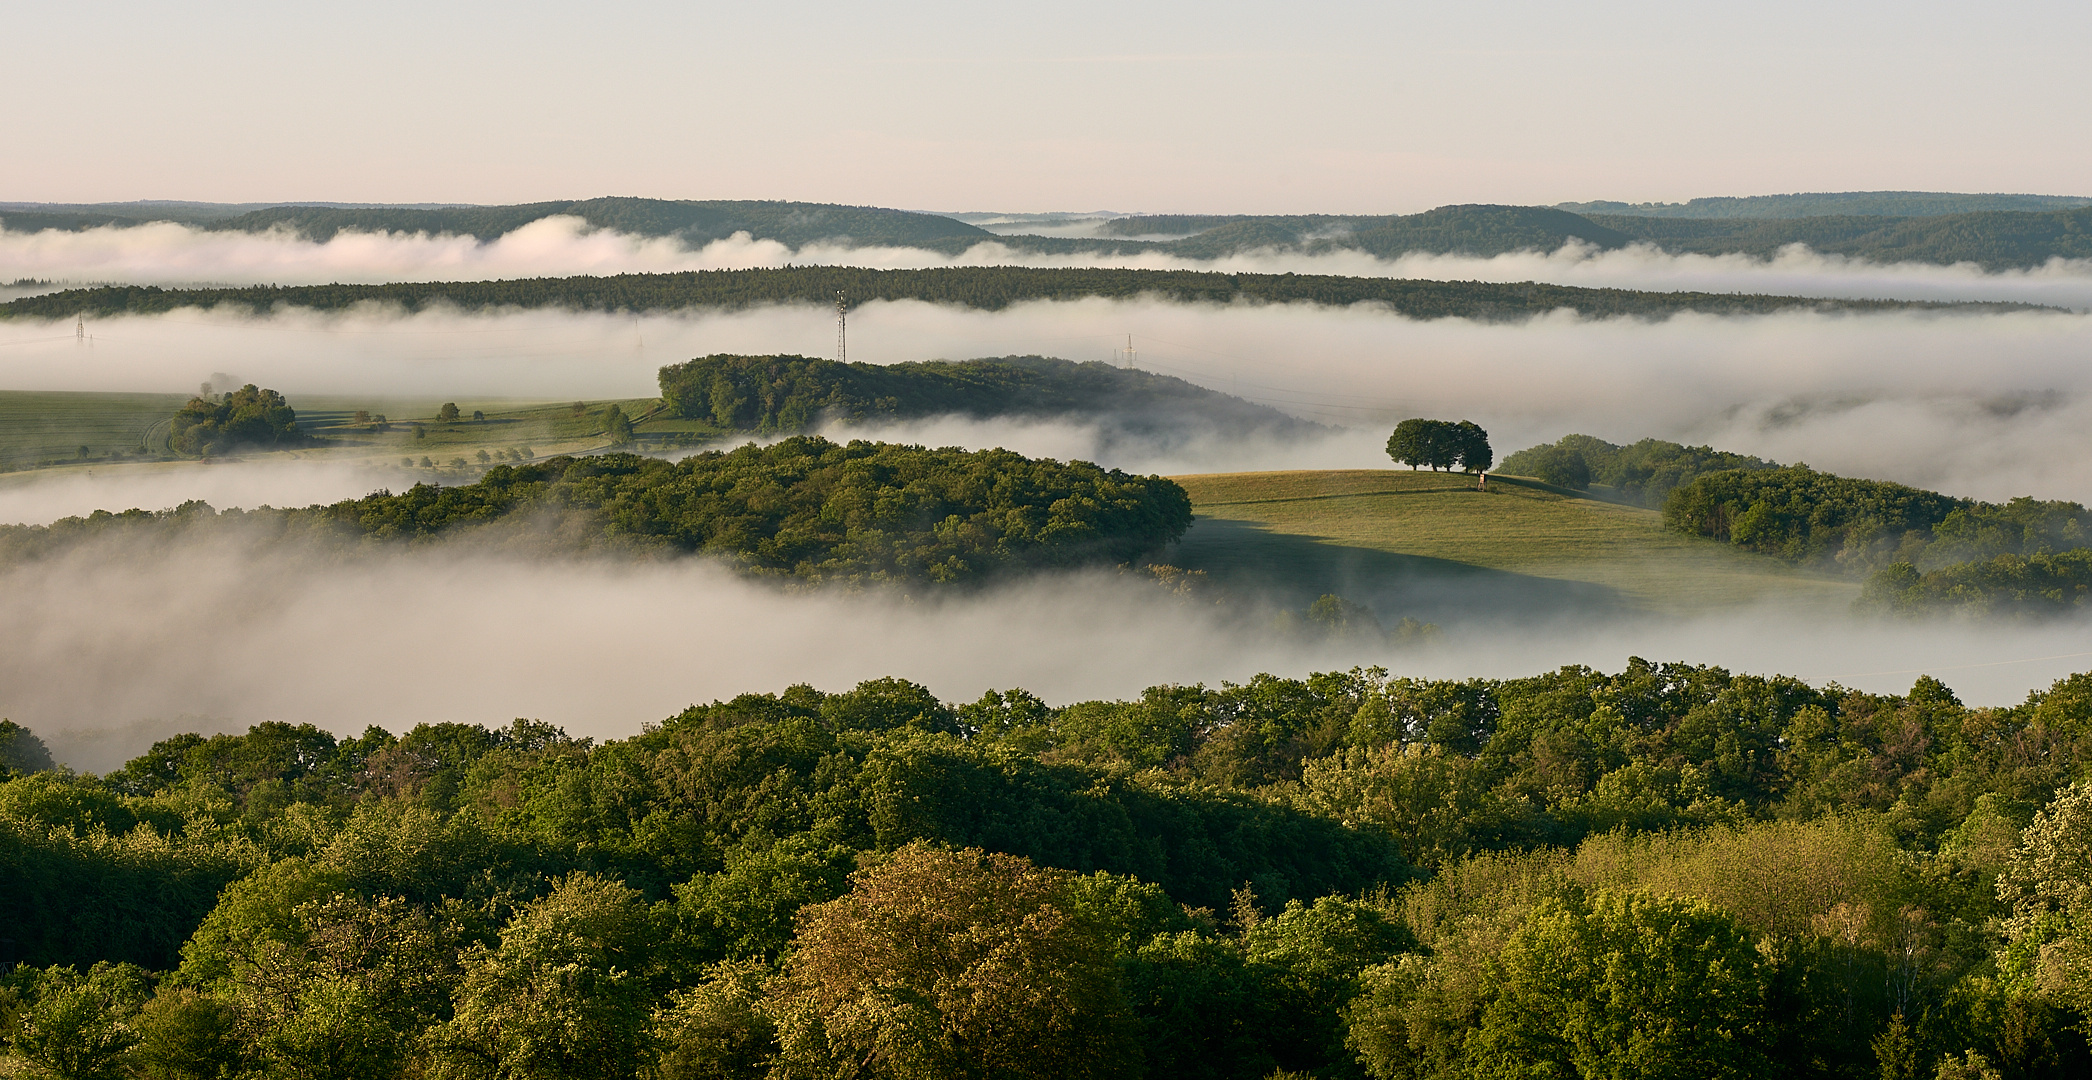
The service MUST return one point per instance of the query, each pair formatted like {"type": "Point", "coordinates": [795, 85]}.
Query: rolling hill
{"type": "Point", "coordinates": [1996, 231]}
{"type": "Point", "coordinates": [1429, 545]}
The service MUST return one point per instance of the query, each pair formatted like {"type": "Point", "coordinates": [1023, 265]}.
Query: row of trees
{"type": "Point", "coordinates": [1667, 871]}
{"type": "Point", "coordinates": [987, 288]}
{"type": "Point", "coordinates": [1440, 444]}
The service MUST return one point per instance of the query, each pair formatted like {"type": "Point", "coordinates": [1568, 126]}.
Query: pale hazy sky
{"type": "Point", "coordinates": [1209, 107]}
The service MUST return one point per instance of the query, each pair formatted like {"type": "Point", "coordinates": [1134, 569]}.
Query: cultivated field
{"type": "Point", "coordinates": [1430, 545]}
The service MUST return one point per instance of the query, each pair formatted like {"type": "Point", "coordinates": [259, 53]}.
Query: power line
{"type": "Point", "coordinates": [842, 329]}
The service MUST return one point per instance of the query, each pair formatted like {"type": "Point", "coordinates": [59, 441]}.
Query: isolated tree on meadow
{"type": "Point", "coordinates": [448, 414]}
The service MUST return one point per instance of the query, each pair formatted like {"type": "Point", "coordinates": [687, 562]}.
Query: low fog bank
{"type": "Point", "coordinates": [166, 254]}
{"type": "Point", "coordinates": [1208, 450]}
{"type": "Point", "coordinates": [41, 497]}
{"type": "Point", "coordinates": [1987, 406]}
{"type": "Point", "coordinates": [108, 650]}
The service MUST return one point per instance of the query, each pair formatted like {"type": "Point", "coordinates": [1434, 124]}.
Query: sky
{"type": "Point", "coordinates": [1215, 107]}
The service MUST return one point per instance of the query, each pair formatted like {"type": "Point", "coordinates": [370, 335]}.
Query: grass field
{"type": "Point", "coordinates": [44, 430]}
{"type": "Point", "coordinates": [1430, 545]}
{"type": "Point", "coordinates": [39, 427]}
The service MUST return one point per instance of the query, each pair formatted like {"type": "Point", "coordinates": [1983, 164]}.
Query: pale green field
{"type": "Point", "coordinates": [1424, 539]}
{"type": "Point", "coordinates": [46, 430]}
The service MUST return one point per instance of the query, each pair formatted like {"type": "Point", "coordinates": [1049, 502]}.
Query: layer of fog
{"type": "Point", "coordinates": [1984, 406]}
{"type": "Point", "coordinates": [172, 254]}
{"type": "Point", "coordinates": [40, 497]}
{"type": "Point", "coordinates": [104, 654]}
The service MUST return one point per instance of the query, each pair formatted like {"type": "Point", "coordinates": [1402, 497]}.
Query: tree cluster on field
{"type": "Point", "coordinates": [1668, 871]}
{"type": "Point", "coordinates": [246, 417]}
{"type": "Point", "coordinates": [803, 508]}
{"type": "Point", "coordinates": [1440, 444]}
{"type": "Point", "coordinates": [990, 288]}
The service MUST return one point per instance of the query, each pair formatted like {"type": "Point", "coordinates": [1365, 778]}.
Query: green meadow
{"type": "Point", "coordinates": [1425, 540]}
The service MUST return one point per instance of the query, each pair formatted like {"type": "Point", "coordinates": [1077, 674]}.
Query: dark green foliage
{"type": "Point", "coordinates": [245, 417]}
{"type": "Point", "coordinates": [1644, 473]}
{"type": "Point", "coordinates": [21, 751]}
{"type": "Point", "coordinates": [804, 508]}
{"type": "Point", "coordinates": [2004, 585]}
{"type": "Point", "coordinates": [1934, 553]}
{"type": "Point", "coordinates": [986, 288]}
{"type": "Point", "coordinates": [1801, 514]}
{"type": "Point", "coordinates": [1440, 444]}
{"type": "Point", "coordinates": [1666, 871]}
{"type": "Point", "coordinates": [792, 393]}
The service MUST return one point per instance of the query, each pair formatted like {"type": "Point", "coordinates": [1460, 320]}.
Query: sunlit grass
{"type": "Point", "coordinates": [1510, 527]}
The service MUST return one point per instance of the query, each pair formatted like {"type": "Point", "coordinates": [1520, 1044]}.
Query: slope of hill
{"type": "Point", "coordinates": [1429, 545]}
{"type": "Point", "coordinates": [1834, 204]}
{"type": "Point", "coordinates": [695, 222]}
{"type": "Point", "coordinates": [1995, 231]}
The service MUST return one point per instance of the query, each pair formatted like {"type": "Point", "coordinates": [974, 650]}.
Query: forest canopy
{"type": "Point", "coordinates": [803, 508]}
{"type": "Point", "coordinates": [1347, 875]}
{"type": "Point", "coordinates": [1644, 473]}
{"type": "Point", "coordinates": [792, 393]}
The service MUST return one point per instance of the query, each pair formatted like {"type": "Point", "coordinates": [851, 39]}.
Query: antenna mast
{"type": "Point", "coordinates": [80, 328]}
{"type": "Point", "coordinates": [842, 329]}
{"type": "Point", "coordinates": [1129, 352]}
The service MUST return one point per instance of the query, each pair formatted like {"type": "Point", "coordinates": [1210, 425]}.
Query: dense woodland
{"type": "Point", "coordinates": [803, 509]}
{"type": "Point", "coordinates": [1922, 552]}
{"type": "Point", "coordinates": [1668, 871]}
{"type": "Point", "coordinates": [1925, 552]}
{"type": "Point", "coordinates": [1643, 473]}
{"type": "Point", "coordinates": [794, 393]}
{"type": "Point", "coordinates": [988, 288]}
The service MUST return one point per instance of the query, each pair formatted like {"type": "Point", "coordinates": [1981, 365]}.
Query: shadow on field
{"type": "Point", "coordinates": [1251, 560]}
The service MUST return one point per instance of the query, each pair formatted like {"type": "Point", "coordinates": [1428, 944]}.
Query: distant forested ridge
{"type": "Point", "coordinates": [1995, 231]}
{"type": "Point", "coordinates": [989, 288]}
{"type": "Point", "coordinates": [694, 221]}
{"type": "Point", "coordinates": [791, 393]}
{"type": "Point", "coordinates": [1668, 871]}
{"type": "Point", "coordinates": [1835, 204]}
{"type": "Point", "coordinates": [804, 509]}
